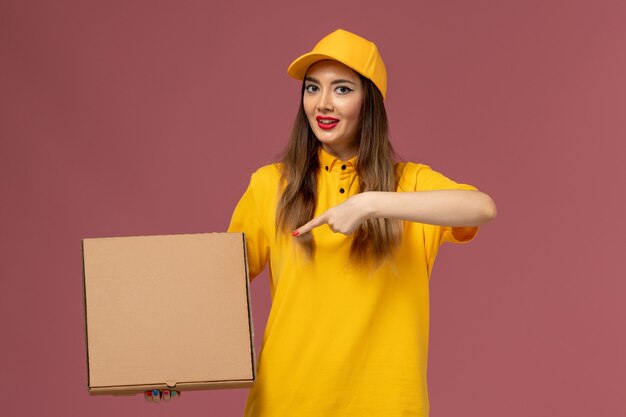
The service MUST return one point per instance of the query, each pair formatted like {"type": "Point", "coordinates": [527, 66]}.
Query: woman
{"type": "Point", "coordinates": [347, 334]}
{"type": "Point", "coordinates": [350, 237]}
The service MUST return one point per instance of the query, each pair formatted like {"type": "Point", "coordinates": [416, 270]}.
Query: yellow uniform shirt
{"type": "Point", "coordinates": [337, 342]}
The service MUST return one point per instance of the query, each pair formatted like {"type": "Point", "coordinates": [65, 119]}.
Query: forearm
{"type": "Point", "coordinates": [440, 207]}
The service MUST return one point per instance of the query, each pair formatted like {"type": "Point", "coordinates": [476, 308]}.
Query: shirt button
{"type": "Point", "coordinates": [326, 168]}
{"type": "Point", "coordinates": [341, 190]}
{"type": "Point", "coordinates": [343, 167]}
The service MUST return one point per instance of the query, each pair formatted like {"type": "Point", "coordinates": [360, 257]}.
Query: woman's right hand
{"type": "Point", "coordinates": [155, 396]}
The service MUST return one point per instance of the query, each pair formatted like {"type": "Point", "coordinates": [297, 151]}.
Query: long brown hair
{"type": "Point", "coordinates": [374, 239]}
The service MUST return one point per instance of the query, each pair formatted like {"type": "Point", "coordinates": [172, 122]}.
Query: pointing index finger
{"type": "Point", "coordinates": [316, 222]}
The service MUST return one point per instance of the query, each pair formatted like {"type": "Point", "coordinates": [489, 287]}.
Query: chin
{"type": "Point", "coordinates": [330, 142]}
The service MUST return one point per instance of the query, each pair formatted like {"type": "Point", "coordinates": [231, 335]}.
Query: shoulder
{"type": "Point", "coordinates": [265, 179]}
{"type": "Point", "coordinates": [421, 177]}
{"type": "Point", "coordinates": [267, 174]}
{"type": "Point", "coordinates": [407, 174]}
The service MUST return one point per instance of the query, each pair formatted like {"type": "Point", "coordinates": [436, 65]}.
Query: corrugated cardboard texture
{"type": "Point", "coordinates": [167, 309]}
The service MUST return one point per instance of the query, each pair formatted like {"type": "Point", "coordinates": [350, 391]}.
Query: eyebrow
{"type": "Point", "coordinates": [340, 81]}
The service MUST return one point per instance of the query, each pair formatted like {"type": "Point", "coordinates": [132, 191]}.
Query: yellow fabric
{"type": "Point", "coordinates": [340, 343]}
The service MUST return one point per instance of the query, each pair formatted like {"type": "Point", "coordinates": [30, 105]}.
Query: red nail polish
{"type": "Point", "coordinates": [295, 233]}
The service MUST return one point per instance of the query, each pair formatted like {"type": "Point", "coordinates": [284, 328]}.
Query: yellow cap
{"type": "Point", "coordinates": [351, 50]}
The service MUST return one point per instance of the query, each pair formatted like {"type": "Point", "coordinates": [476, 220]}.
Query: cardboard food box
{"type": "Point", "coordinates": [169, 311]}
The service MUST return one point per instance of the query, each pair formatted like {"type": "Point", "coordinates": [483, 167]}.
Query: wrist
{"type": "Point", "coordinates": [370, 204]}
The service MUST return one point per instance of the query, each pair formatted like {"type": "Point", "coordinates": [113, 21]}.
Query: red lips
{"type": "Point", "coordinates": [326, 122]}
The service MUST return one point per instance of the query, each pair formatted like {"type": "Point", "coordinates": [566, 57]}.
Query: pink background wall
{"type": "Point", "coordinates": [147, 117]}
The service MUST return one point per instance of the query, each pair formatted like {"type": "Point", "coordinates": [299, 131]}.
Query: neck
{"type": "Point", "coordinates": [342, 153]}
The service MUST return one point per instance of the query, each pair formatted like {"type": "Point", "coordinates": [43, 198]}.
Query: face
{"type": "Point", "coordinates": [333, 97]}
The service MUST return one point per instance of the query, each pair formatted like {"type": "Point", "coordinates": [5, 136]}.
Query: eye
{"type": "Point", "coordinates": [311, 88]}
{"type": "Point", "coordinates": [343, 90]}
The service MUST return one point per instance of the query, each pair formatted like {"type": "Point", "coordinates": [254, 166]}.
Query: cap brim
{"type": "Point", "coordinates": [299, 67]}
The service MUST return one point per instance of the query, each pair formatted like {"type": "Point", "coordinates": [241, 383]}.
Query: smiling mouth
{"type": "Point", "coordinates": [326, 122]}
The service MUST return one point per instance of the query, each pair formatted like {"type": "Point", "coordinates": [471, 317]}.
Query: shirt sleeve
{"type": "Point", "coordinates": [247, 219]}
{"type": "Point", "coordinates": [429, 180]}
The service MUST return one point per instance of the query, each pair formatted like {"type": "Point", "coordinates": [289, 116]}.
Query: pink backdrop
{"type": "Point", "coordinates": [147, 117]}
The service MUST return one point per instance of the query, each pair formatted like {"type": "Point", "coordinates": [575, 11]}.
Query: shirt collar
{"type": "Point", "coordinates": [329, 162]}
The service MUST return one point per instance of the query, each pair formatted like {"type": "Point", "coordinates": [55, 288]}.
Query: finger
{"type": "Point", "coordinates": [156, 395]}
{"type": "Point", "coordinates": [175, 394]}
{"type": "Point", "coordinates": [166, 395]}
{"type": "Point", "coordinates": [148, 396]}
{"type": "Point", "coordinates": [316, 222]}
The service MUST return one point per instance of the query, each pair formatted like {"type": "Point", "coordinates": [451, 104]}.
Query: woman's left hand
{"type": "Point", "coordinates": [343, 218]}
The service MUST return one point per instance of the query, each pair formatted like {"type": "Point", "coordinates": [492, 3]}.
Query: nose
{"type": "Point", "coordinates": [325, 102]}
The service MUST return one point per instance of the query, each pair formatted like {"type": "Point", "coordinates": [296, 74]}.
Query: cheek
{"type": "Point", "coordinates": [353, 112]}
{"type": "Point", "coordinates": [308, 108]}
